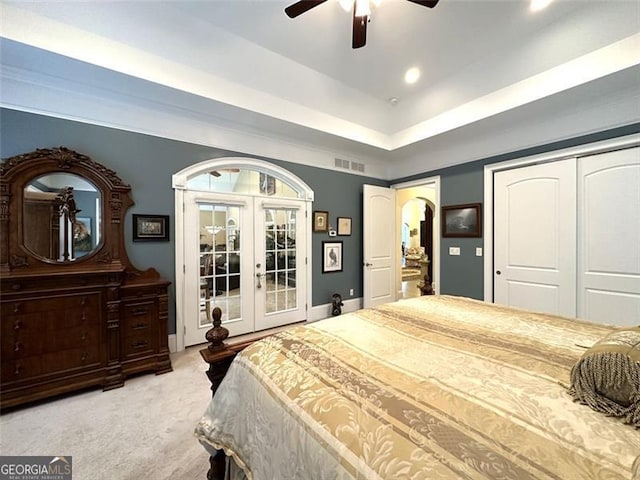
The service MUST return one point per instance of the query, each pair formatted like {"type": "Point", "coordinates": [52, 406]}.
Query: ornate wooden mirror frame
{"type": "Point", "coordinates": [17, 172]}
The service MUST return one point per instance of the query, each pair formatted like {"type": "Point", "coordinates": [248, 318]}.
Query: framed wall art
{"type": "Point", "coordinates": [150, 228]}
{"type": "Point", "coordinates": [320, 221]}
{"type": "Point", "coordinates": [462, 220]}
{"type": "Point", "coordinates": [331, 257]}
{"type": "Point", "coordinates": [344, 225]}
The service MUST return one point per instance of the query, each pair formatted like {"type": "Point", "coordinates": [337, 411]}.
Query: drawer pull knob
{"type": "Point", "coordinates": [139, 344]}
{"type": "Point", "coordinates": [84, 356]}
{"type": "Point", "coordinates": [18, 369]}
{"type": "Point", "coordinates": [84, 336]}
{"type": "Point", "coordinates": [16, 307]}
{"type": "Point", "coordinates": [17, 347]}
{"type": "Point", "coordinates": [84, 316]}
{"type": "Point", "coordinates": [83, 301]}
{"type": "Point", "coordinates": [139, 326]}
{"type": "Point", "coordinates": [140, 311]}
{"type": "Point", "coordinates": [17, 325]}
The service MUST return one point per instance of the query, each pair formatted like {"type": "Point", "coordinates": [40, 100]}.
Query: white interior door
{"type": "Point", "coordinates": [379, 211]}
{"type": "Point", "coordinates": [535, 237]}
{"type": "Point", "coordinates": [609, 237]}
{"type": "Point", "coordinates": [247, 257]}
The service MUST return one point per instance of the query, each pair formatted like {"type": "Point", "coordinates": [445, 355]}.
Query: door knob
{"type": "Point", "coordinates": [367, 264]}
{"type": "Point", "coordinates": [498, 272]}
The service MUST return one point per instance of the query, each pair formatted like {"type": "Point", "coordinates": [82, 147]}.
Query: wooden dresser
{"type": "Point", "coordinates": [71, 318]}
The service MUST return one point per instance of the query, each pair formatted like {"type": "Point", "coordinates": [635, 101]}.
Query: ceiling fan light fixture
{"type": "Point", "coordinates": [412, 75]}
{"type": "Point", "coordinates": [537, 5]}
{"type": "Point", "coordinates": [362, 8]}
{"type": "Point", "coordinates": [346, 4]}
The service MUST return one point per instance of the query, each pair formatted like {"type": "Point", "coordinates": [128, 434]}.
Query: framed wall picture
{"type": "Point", "coordinates": [320, 221]}
{"type": "Point", "coordinates": [331, 257]}
{"type": "Point", "coordinates": [462, 220]}
{"type": "Point", "coordinates": [150, 228]}
{"type": "Point", "coordinates": [344, 225]}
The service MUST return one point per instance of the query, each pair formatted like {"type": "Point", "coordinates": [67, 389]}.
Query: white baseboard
{"type": "Point", "coordinates": [173, 343]}
{"type": "Point", "coordinates": [320, 312]}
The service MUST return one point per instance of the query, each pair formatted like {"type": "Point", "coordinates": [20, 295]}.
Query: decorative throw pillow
{"type": "Point", "coordinates": [607, 377]}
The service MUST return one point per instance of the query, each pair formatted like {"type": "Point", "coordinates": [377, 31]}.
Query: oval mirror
{"type": "Point", "coordinates": [61, 217]}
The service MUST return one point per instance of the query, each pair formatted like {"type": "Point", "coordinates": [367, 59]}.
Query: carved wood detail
{"type": "Point", "coordinates": [92, 294]}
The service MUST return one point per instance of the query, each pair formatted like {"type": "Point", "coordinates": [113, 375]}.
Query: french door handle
{"type": "Point", "coordinates": [259, 277]}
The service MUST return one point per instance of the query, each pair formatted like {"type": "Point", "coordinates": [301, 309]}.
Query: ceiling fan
{"type": "Point", "coordinates": [361, 14]}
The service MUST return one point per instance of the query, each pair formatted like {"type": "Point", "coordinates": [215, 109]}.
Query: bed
{"type": "Point", "coordinates": [434, 387]}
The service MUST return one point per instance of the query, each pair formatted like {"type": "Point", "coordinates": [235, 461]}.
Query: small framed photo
{"type": "Point", "coordinates": [331, 257]}
{"type": "Point", "coordinates": [344, 225]}
{"type": "Point", "coordinates": [462, 220]}
{"type": "Point", "coordinates": [320, 221]}
{"type": "Point", "coordinates": [150, 228]}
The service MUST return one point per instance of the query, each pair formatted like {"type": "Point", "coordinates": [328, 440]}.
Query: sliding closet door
{"type": "Point", "coordinates": [535, 237]}
{"type": "Point", "coordinates": [609, 237]}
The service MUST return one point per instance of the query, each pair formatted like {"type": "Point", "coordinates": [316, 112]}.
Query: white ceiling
{"type": "Point", "coordinates": [478, 58]}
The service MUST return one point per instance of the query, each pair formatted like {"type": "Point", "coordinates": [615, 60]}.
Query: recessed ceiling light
{"type": "Point", "coordinates": [537, 5]}
{"type": "Point", "coordinates": [412, 75]}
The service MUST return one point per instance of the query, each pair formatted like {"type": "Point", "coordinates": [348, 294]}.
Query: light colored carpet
{"type": "Point", "coordinates": [141, 431]}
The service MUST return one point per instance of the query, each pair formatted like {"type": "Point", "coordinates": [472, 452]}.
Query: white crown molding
{"type": "Point", "coordinates": [53, 36]}
{"type": "Point", "coordinates": [50, 95]}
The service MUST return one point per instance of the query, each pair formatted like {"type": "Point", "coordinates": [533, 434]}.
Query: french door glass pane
{"type": "Point", "coordinates": [281, 256]}
{"type": "Point", "coordinates": [219, 261]}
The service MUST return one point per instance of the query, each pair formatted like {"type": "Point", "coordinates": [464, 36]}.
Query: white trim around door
{"type": "Point", "coordinates": [435, 183]}
{"type": "Point", "coordinates": [179, 183]}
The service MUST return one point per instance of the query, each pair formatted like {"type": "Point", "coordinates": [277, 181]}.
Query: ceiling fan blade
{"type": "Point", "coordinates": [299, 8]}
{"type": "Point", "coordinates": [359, 38]}
{"type": "Point", "coordinates": [425, 3]}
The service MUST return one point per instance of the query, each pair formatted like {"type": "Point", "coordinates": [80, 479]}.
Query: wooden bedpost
{"type": "Point", "coordinates": [219, 356]}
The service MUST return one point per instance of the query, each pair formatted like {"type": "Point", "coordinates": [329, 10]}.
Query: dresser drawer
{"type": "Point", "coordinates": [21, 344]}
{"type": "Point", "coordinates": [87, 301]}
{"type": "Point", "coordinates": [134, 346]}
{"type": "Point", "coordinates": [135, 312]}
{"type": "Point", "coordinates": [21, 368]}
{"type": "Point", "coordinates": [72, 358]}
{"type": "Point", "coordinates": [75, 337]}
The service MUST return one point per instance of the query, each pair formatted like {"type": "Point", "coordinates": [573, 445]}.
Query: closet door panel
{"type": "Point", "coordinates": [609, 237]}
{"type": "Point", "coordinates": [535, 237]}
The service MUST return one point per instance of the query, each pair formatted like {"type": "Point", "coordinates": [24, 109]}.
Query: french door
{"type": "Point", "coordinates": [247, 256]}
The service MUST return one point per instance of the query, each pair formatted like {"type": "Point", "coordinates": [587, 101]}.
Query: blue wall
{"type": "Point", "coordinates": [464, 274]}
{"type": "Point", "coordinates": [147, 164]}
